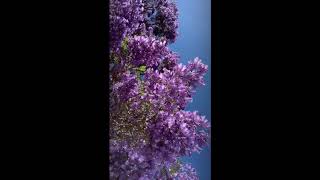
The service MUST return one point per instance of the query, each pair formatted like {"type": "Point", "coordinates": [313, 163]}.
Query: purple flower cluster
{"type": "Point", "coordinates": [149, 90]}
{"type": "Point", "coordinates": [144, 50]}
{"type": "Point", "coordinates": [158, 18]}
{"type": "Point", "coordinates": [171, 90]}
{"type": "Point", "coordinates": [186, 172]}
{"type": "Point", "coordinates": [126, 17]}
{"type": "Point", "coordinates": [162, 18]}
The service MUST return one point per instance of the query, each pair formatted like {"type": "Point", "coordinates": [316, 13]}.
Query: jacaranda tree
{"type": "Point", "coordinates": [149, 90]}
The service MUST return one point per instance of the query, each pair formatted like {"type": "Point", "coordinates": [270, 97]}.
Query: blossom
{"type": "Point", "coordinates": [149, 90]}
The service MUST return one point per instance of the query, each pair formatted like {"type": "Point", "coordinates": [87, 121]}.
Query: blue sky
{"type": "Point", "coordinates": [194, 40]}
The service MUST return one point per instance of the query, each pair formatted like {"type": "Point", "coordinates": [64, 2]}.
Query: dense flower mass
{"type": "Point", "coordinates": [126, 17]}
{"type": "Point", "coordinates": [149, 90]}
{"type": "Point", "coordinates": [162, 17]}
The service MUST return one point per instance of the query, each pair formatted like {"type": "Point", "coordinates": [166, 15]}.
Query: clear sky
{"type": "Point", "coordinates": [194, 40]}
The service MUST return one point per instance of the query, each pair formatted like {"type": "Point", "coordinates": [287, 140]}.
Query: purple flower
{"type": "Point", "coordinates": [149, 90]}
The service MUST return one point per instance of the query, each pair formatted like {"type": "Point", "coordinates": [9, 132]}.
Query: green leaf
{"type": "Point", "coordinates": [175, 167]}
{"type": "Point", "coordinates": [124, 44]}
{"type": "Point", "coordinates": [142, 68]}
